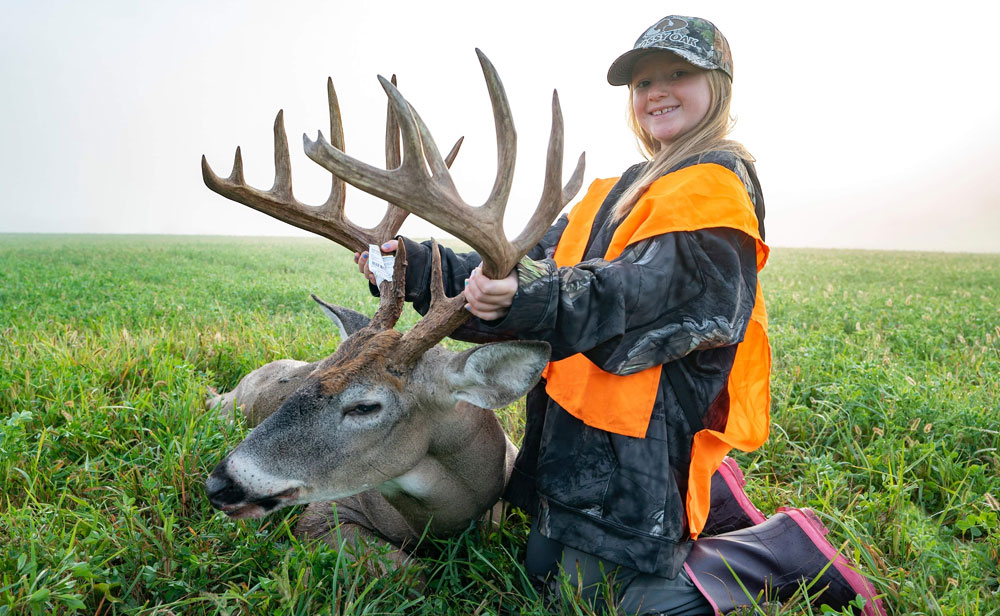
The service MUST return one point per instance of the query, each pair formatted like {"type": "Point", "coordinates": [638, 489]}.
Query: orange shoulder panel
{"type": "Point", "coordinates": [574, 238]}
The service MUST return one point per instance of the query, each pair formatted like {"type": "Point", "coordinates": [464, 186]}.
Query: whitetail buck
{"type": "Point", "coordinates": [394, 429]}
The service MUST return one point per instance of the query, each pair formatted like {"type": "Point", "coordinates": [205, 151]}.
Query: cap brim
{"type": "Point", "coordinates": [620, 73]}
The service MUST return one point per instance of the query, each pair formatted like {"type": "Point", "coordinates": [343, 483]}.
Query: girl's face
{"type": "Point", "coordinates": [669, 96]}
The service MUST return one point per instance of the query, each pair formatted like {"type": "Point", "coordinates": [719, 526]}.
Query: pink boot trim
{"type": "Point", "coordinates": [731, 472]}
{"type": "Point", "coordinates": [701, 589]}
{"type": "Point", "coordinates": [816, 531]}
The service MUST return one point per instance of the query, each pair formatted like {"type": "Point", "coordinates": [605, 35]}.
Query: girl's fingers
{"type": "Point", "coordinates": [500, 291]}
{"type": "Point", "coordinates": [490, 305]}
{"type": "Point", "coordinates": [489, 299]}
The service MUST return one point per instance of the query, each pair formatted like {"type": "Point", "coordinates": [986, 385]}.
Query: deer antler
{"type": "Point", "coordinates": [422, 185]}
{"type": "Point", "coordinates": [419, 182]}
{"type": "Point", "coordinates": [328, 219]}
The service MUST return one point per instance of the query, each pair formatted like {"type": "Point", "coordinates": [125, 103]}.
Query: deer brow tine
{"type": "Point", "coordinates": [392, 294]}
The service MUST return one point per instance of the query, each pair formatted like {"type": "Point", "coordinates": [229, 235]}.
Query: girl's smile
{"type": "Point", "coordinates": [669, 96]}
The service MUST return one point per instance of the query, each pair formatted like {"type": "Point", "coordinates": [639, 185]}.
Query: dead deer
{"type": "Point", "coordinates": [393, 428]}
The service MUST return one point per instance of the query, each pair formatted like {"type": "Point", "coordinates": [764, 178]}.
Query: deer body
{"type": "Point", "coordinates": [261, 392]}
{"type": "Point", "coordinates": [397, 431]}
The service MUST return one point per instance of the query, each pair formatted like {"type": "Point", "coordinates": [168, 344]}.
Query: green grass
{"type": "Point", "coordinates": [886, 393]}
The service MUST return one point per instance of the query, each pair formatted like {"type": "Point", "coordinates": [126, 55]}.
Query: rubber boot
{"type": "Point", "coordinates": [730, 508]}
{"type": "Point", "coordinates": [772, 561]}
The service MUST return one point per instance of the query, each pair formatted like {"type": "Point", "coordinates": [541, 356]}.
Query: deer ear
{"type": "Point", "coordinates": [348, 321]}
{"type": "Point", "coordinates": [495, 375]}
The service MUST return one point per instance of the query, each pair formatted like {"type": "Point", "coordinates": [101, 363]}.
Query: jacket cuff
{"type": "Point", "coordinates": [537, 290]}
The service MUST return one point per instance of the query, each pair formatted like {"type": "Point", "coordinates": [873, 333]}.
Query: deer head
{"type": "Point", "coordinates": [369, 414]}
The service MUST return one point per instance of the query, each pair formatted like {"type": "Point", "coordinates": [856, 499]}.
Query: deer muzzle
{"type": "Point", "coordinates": [235, 501]}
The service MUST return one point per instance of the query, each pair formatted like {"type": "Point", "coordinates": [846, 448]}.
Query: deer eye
{"type": "Point", "coordinates": [363, 408]}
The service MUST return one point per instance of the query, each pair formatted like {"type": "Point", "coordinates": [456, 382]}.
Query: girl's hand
{"type": "Point", "coordinates": [361, 258]}
{"type": "Point", "coordinates": [489, 299]}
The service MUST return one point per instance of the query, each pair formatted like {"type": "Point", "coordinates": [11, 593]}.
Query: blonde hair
{"type": "Point", "coordinates": [708, 135]}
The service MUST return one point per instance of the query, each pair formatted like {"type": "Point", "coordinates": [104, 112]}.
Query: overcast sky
{"type": "Point", "coordinates": [875, 124]}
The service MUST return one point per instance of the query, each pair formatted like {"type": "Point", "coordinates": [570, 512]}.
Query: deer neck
{"type": "Point", "coordinates": [463, 474]}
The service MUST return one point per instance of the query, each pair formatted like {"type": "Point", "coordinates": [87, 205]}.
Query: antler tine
{"type": "Point", "coordinates": [422, 148]}
{"type": "Point", "coordinates": [554, 195]}
{"type": "Point", "coordinates": [453, 153]}
{"type": "Point", "coordinates": [393, 155]}
{"type": "Point", "coordinates": [506, 138]}
{"type": "Point", "coordinates": [282, 187]}
{"type": "Point", "coordinates": [394, 216]}
{"type": "Point", "coordinates": [413, 147]}
{"type": "Point", "coordinates": [338, 189]}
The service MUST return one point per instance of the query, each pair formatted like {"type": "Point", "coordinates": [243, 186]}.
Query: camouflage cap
{"type": "Point", "coordinates": [694, 39]}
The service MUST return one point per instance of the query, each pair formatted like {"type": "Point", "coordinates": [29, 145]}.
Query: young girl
{"type": "Point", "coordinates": [648, 294]}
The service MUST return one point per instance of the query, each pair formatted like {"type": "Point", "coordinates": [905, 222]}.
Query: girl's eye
{"type": "Point", "coordinates": [642, 83]}
{"type": "Point", "coordinates": [363, 409]}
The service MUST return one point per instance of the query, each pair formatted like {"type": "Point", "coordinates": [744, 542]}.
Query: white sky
{"type": "Point", "coordinates": [875, 124]}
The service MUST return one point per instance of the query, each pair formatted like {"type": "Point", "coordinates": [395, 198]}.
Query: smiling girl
{"type": "Point", "coordinates": [648, 294]}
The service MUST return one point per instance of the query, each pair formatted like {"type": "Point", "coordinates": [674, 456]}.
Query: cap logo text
{"type": "Point", "coordinates": [668, 36]}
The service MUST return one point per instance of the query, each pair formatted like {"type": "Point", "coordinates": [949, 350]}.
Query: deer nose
{"type": "Point", "coordinates": [222, 490]}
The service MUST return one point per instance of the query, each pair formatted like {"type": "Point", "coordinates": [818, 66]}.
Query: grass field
{"type": "Point", "coordinates": [886, 421]}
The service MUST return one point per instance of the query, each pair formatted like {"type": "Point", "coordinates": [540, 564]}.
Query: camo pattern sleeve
{"type": "Point", "coordinates": [663, 298]}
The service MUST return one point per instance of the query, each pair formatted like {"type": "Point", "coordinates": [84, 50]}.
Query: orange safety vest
{"type": "Point", "coordinates": [697, 197]}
